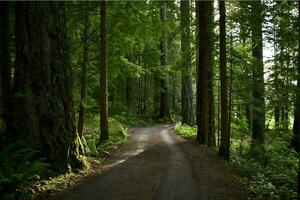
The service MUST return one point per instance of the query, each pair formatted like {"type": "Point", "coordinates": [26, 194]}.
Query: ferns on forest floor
{"type": "Point", "coordinates": [19, 165]}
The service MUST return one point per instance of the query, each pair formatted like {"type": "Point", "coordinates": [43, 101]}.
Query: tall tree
{"type": "Point", "coordinates": [5, 63]}
{"type": "Point", "coordinates": [204, 22]}
{"type": "Point", "coordinates": [43, 110]}
{"type": "Point", "coordinates": [258, 108]}
{"type": "Point", "coordinates": [296, 128]}
{"type": "Point", "coordinates": [186, 71]}
{"type": "Point", "coordinates": [211, 139]}
{"type": "Point", "coordinates": [84, 70]}
{"type": "Point", "coordinates": [103, 74]}
{"type": "Point", "coordinates": [225, 137]}
{"type": "Point", "coordinates": [164, 84]}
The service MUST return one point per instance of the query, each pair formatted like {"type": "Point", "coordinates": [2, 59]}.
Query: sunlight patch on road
{"type": "Point", "coordinates": [141, 139]}
{"type": "Point", "coordinates": [166, 138]}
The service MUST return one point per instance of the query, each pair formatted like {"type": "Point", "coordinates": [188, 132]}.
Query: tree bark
{"type": "Point", "coordinates": [43, 109]}
{"type": "Point", "coordinates": [103, 75]}
{"type": "Point", "coordinates": [84, 71]}
{"type": "Point", "coordinates": [258, 118]}
{"type": "Point", "coordinates": [186, 71]}
{"type": "Point", "coordinates": [204, 13]}
{"type": "Point", "coordinates": [164, 83]}
{"type": "Point", "coordinates": [224, 150]}
{"type": "Point", "coordinates": [5, 63]}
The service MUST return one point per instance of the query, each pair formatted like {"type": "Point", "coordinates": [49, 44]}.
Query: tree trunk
{"type": "Point", "coordinates": [218, 114]}
{"type": "Point", "coordinates": [204, 13]}
{"type": "Point", "coordinates": [186, 71]}
{"type": "Point", "coordinates": [211, 139]}
{"type": "Point", "coordinates": [248, 117]}
{"type": "Point", "coordinates": [225, 137]}
{"type": "Point", "coordinates": [103, 75]}
{"type": "Point", "coordinates": [164, 92]}
{"type": "Point", "coordinates": [296, 128]}
{"type": "Point", "coordinates": [277, 116]}
{"type": "Point", "coordinates": [130, 95]}
{"type": "Point", "coordinates": [43, 109]}
{"type": "Point", "coordinates": [258, 118]}
{"type": "Point", "coordinates": [5, 63]}
{"type": "Point", "coordinates": [230, 88]}
{"type": "Point", "coordinates": [156, 96]}
{"type": "Point", "coordinates": [84, 71]}
{"type": "Point", "coordinates": [145, 95]}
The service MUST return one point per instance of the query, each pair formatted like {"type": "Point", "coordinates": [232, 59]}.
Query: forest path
{"type": "Point", "coordinates": [155, 163]}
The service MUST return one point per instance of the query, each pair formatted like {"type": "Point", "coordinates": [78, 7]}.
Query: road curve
{"type": "Point", "coordinates": [155, 163]}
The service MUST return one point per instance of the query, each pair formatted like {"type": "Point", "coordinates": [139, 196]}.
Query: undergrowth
{"type": "Point", "coordinates": [19, 165]}
{"type": "Point", "coordinates": [117, 135]}
{"type": "Point", "coordinates": [186, 131]}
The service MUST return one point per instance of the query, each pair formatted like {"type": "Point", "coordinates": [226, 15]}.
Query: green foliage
{"type": "Point", "coordinates": [272, 174]}
{"type": "Point", "coordinates": [186, 131]}
{"type": "Point", "coordinates": [19, 164]}
{"type": "Point", "coordinates": [117, 135]}
{"type": "Point", "coordinates": [129, 120]}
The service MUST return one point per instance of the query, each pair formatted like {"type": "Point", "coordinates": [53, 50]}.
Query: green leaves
{"type": "Point", "coordinates": [186, 131]}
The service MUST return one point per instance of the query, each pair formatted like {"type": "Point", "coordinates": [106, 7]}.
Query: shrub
{"type": "Point", "coordinates": [186, 131]}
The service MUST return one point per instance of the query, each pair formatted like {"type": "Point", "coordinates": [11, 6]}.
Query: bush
{"type": "Point", "coordinates": [272, 174]}
{"type": "Point", "coordinates": [186, 131]}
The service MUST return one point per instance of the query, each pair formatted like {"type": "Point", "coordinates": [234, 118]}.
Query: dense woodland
{"type": "Point", "coordinates": [227, 72]}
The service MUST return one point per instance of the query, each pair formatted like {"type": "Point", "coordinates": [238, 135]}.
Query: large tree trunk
{"type": "Point", "coordinates": [43, 110]}
{"type": "Point", "coordinates": [103, 75]}
{"type": "Point", "coordinates": [225, 137]}
{"type": "Point", "coordinates": [5, 63]}
{"type": "Point", "coordinates": [204, 13]}
{"type": "Point", "coordinates": [164, 83]}
{"type": "Point", "coordinates": [84, 71]}
{"type": "Point", "coordinates": [258, 118]}
{"type": "Point", "coordinates": [186, 71]}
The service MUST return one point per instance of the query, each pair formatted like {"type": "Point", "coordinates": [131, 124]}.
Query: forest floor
{"type": "Point", "coordinates": [155, 163]}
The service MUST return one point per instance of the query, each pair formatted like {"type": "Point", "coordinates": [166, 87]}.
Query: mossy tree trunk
{"type": "Point", "coordinates": [43, 110]}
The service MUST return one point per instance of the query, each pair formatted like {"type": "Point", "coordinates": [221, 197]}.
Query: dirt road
{"type": "Point", "coordinates": [155, 163]}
